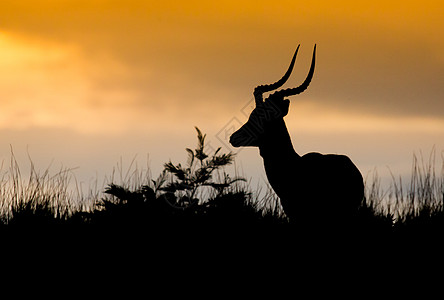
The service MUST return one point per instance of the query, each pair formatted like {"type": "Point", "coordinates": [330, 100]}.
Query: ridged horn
{"type": "Point", "coordinates": [261, 89]}
{"type": "Point", "coordinates": [303, 86]}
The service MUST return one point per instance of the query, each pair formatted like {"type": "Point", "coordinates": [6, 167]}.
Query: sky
{"type": "Point", "coordinates": [90, 84]}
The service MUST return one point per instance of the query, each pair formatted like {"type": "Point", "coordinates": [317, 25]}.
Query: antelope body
{"type": "Point", "coordinates": [312, 186]}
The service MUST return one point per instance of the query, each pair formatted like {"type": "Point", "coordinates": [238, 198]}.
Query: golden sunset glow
{"type": "Point", "coordinates": [91, 80]}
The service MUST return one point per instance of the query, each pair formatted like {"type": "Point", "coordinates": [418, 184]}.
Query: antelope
{"type": "Point", "coordinates": [310, 187]}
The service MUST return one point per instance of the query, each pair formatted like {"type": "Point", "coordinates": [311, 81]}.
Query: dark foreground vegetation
{"type": "Point", "coordinates": [199, 203]}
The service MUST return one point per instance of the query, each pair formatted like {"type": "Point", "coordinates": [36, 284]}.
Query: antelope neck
{"type": "Point", "coordinates": [276, 142]}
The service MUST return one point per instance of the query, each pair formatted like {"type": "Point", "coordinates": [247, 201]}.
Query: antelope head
{"type": "Point", "coordinates": [273, 108]}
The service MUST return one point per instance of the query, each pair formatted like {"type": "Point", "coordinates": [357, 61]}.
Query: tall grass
{"type": "Point", "coordinates": [54, 198]}
{"type": "Point", "coordinates": [415, 204]}
{"type": "Point", "coordinates": [38, 197]}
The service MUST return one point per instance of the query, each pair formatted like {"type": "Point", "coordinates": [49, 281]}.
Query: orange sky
{"type": "Point", "coordinates": [85, 82]}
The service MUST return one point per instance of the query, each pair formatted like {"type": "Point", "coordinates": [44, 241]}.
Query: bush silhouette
{"type": "Point", "coordinates": [176, 197]}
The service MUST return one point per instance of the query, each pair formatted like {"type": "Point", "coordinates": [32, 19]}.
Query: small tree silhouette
{"type": "Point", "coordinates": [180, 192]}
{"type": "Point", "coordinates": [198, 173]}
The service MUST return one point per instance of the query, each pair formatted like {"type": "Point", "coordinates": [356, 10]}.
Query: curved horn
{"type": "Point", "coordinates": [303, 86]}
{"type": "Point", "coordinates": [259, 90]}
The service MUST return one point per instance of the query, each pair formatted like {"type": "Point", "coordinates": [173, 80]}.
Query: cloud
{"type": "Point", "coordinates": [147, 62]}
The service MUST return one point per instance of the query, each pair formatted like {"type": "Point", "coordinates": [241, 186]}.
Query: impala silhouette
{"type": "Point", "coordinates": [313, 187]}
